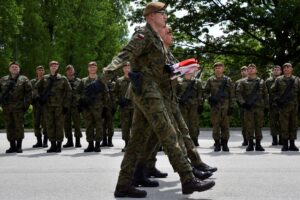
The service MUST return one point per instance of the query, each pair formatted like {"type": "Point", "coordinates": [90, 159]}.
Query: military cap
{"type": "Point", "coordinates": [287, 65]}
{"type": "Point", "coordinates": [69, 67]}
{"type": "Point", "coordinates": [218, 64]}
{"type": "Point", "coordinates": [14, 63]}
{"type": "Point", "coordinates": [39, 67]}
{"type": "Point", "coordinates": [154, 7]}
{"type": "Point", "coordinates": [53, 62]}
{"type": "Point", "coordinates": [276, 66]}
{"type": "Point", "coordinates": [243, 68]}
{"type": "Point", "coordinates": [92, 63]}
{"type": "Point", "coordinates": [252, 65]}
{"type": "Point", "coordinates": [126, 64]}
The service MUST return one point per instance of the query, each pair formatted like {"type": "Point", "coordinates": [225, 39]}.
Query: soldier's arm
{"type": "Point", "coordinates": [67, 94]}
{"type": "Point", "coordinates": [200, 93]}
{"type": "Point", "coordinates": [239, 94]}
{"type": "Point", "coordinates": [207, 89]}
{"type": "Point", "coordinates": [27, 93]}
{"type": "Point", "coordinates": [231, 93]}
{"type": "Point", "coordinates": [265, 94]}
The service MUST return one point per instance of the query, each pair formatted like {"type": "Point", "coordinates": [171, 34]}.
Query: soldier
{"type": "Point", "coordinates": [53, 92]}
{"type": "Point", "coordinates": [109, 111]}
{"type": "Point", "coordinates": [286, 94]}
{"type": "Point", "coordinates": [274, 110]}
{"type": "Point", "coordinates": [15, 98]}
{"type": "Point", "coordinates": [39, 123]}
{"type": "Point", "coordinates": [72, 117]}
{"type": "Point", "coordinates": [253, 97]}
{"type": "Point", "coordinates": [125, 104]}
{"type": "Point", "coordinates": [93, 95]}
{"type": "Point", "coordinates": [220, 94]}
{"type": "Point", "coordinates": [191, 103]}
{"type": "Point", "coordinates": [146, 54]}
{"type": "Point", "coordinates": [244, 74]}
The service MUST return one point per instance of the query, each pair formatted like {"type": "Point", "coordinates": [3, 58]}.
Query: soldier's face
{"type": "Point", "coordinates": [40, 72]}
{"type": "Point", "coordinates": [287, 70]}
{"type": "Point", "coordinates": [14, 69]}
{"type": "Point", "coordinates": [252, 71]}
{"type": "Point", "coordinates": [159, 18]}
{"type": "Point", "coordinates": [126, 69]}
{"type": "Point", "coordinates": [53, 68]}
{"type": "Point", "coordinates": [219, 70]}
{"type": "Point", "coordinates": [276, 71]}
{"type": "Point", "coordinates": [168, 40]}
{"type": "Point", "coordinates": [92, 69]}
{"type": "Point", "coordinates": [244, 73]}
{"type": "Point", "coordinates": [70, 72]}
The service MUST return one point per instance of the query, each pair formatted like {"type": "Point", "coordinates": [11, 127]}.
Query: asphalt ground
{"type": "Point", "coordinates": [72, 174]}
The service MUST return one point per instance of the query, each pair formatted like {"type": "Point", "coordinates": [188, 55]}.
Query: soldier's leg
{"type": "Point", "coordinates": [77, 123]}
{"type": "Point", "coordinates": [194, 120]}
{"type": "Point", "coordinates": [37, 122]}
{"type": "Point", "coordinates": [244, 134]}
{"type": "Point", "coordinates": [249, 125]}
{"type": "Point", "coordinates": [293, 128]}
{"type": "Point", "coordinates": [9, 126]}
{"type": "Point", "coordinates": [19, 129]}
{"type": "Point", "coordinates": [89, 125]}
{"type": "Point", "coordinates": [97, 114]}
{"type": "Point", "coordinates": [215, 121]}
{"type": "Point", "coordinates": [68, 124]}
{"type": "Point", "coordinates": [51, 127]}
{"type": "Point", "coordinates": [224, 129]}
{"type": "Point", "coordinates": [273, 128]}
{"type": "Point", "coordinates": [259, 121]}
{"type": "Point", "coordinates": [45, 141]}
{"type": "Point", "coordinates": [59, 124]}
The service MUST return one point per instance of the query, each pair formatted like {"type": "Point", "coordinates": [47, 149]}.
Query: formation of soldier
{"type": "Point", "coordinates": [155, 109]}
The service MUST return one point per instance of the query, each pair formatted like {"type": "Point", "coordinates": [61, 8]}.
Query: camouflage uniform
{"type": "Point", "coordinates": [241, 114]}
{"type": "Point", "coordinates": [254, 104]}
{"type": "Point", "coordinates": [190, 108]}
{"type": "Point", "coordinates": [73, 114]}
{"type": "Point", "coordinates": [221, 105]}
{"type": "Point", "coordinates": [16, 95]}
{"type": "Point", "coordinates": [126, 107]}
{"type": "Point", "coordinates": [56, 105]}
{"type": "Point", "coordinates": [146, 54]}
{"type": "Point", "coordinates": [288, 106]}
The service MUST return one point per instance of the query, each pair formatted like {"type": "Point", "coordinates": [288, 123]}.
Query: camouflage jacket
{"type": "Point", "coordinates": [212, 91]}
{"type": "Point", "coordinates": [75, 96]}
{"type": "Point", "coordinates": [15, 94]}
{"type": "Point", "coordinates": [59, 93]}
{"type": "Point", "coordinates": [278, 89]}
{"type": "Point", "coordinates": [147, 55]}
{"type": "Point", "coordinates": [245, 92]}
{"type": "Point", "coordinates": [121, 89]}
{"type": "Point", "coordinates": [192, 97]}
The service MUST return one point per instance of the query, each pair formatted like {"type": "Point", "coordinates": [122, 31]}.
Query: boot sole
{"type": "Point", "coordinates": [202, 189]}
{"type": "Point", "coordinates": [127, 195]}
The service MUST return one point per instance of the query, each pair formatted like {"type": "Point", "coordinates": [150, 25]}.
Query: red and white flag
{"type": "Point", "coordinates": [190, 65]}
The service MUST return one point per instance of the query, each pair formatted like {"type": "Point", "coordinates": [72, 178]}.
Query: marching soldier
{"type": "Point", "coordinates": [244, 74]}
{"type": "Point", "coordinates": [125, 104]}
{"type": "Point", "coordinates": [72, 117]}
{"type": "Point", "coordinates": [286, 94]}
{"type": "Point", "coordinates": [53, 92]}
{"type": "Point", "coordinates": [92, 99]}
{"type": "Point", "coordinates": [190, 93]}
{"type": "Point", "coordinates": [274, 110]}
{"type": "Point", "coordinates": [220, 94]}
{"type": "Point", "coordinates": [15, 98]}
{"type": "Point", "coordinates": [253, 97]}
{"type": "Point", "coordinates": [39, 123]}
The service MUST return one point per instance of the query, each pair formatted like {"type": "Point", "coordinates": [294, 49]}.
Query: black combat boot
{"type": "Point", "coordinates": [52, 148]}
{"type": "Point", "coordinates": [97, 146]}
{"type": "Point", "coordinates": [293, 146]}
{"type": "Point", "coordinates": [217, 146]}
{"type": "Point", "coordinates": [196, 185]}
{"type": "Point", "coordinates": [250, 146]}
{"type": "Point", "coordinates": [155, 173]}
{"type": "Point", "coordinates": [245, 141]}
{"type": "Point", "coordinates": [140, 179]}
{"type": "Point", "coordinates": [19, 146]}
{"type": "Point", "coordinates": [285, 145]}
{"type": "Point", "coordinates": [280, 140]}
{"type": "Point", "coordinates": [205, 168]}
{"type": "Point", "coordinates": [129, 191]}
{"type": "Point", "coordinates": [45, 142]}
{"type": "Point", "coordinates": [258, 146]}
{"type": "Point", "coordinates": [90, 148]}
{"type": "Point", "coordinates": [12, 148]}
{"type": "Point", "coordinates": [104, 142]}
{"type": "Point", "coordinates": [274, 140]}
{"type": "Point", "coordinates": [225, 145]}
{"type": "Point", "coordinates": [109, 142]}
{"type": "Point", "coordinates": [58, 147]}
{"type": "Point", "coordinates": [77, 142]}
{"type": "Point", "coordinates": [69, 143]}
{"type": "Point", "coordinates": [38, 143]}
{"type": "Point", "coordinates": [201, 175]}
{"type": "Point", "coordinates": [124, 149]}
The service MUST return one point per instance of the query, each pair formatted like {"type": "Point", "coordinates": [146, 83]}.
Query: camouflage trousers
{"type": "Point", "coordinates": [243, 123]}
{"type": "Point", "coordinates": [93, 124]}
{"type": "Point", "coordinates": [126, 122]}
{"type": "Point", "coordinates": [39, 123]}
{"type": "Point", "coordinates": [254, 120]}
{"type": "Point", "coordinates": [108, 122]}
{"type": "Point", "coordinates": [220, 122]}
{"type": "Point", "coordinates": [288, 118]}
{"type": "Point", "coordinates": [14, 123]}
{"type": "Point", "coordinates": [72, 118]}
{"type": "Point", "coordinates": [191, 118]}
{"type": "Point", "coordinates": [274, 120]}
{"type": "Point", "coordinates": [153, 112]}
{"type": "Point", "coordinates": [54, 123]}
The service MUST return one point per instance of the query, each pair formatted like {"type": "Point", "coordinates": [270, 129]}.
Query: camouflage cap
{"type": "Point", "coordinates": [154, 7]}
{"type": "Point", "coordinates": [14, 63]}
{"type": "Point", "coordinates": [92, 63]}
{"type": "Point", "coordinates": [243, 68]}
{"type": "Point", "coordinates": [251, 65]}
{"type": "Point", "coordinates": [287, 65]}
{"type": "Point", "coordinates": [218, 64]}
{"type": "Point", "coordinates": [69, 67]}
{"type": "Point", "coordinates": [39, 67]}
{"type": "Point", "coordinates": [276, 66]}
{"type": "Point", "coordinates": [53, 62]}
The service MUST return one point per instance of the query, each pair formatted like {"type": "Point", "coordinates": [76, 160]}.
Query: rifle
{"type": "Point", "coordinates": [286, 96]}
{"type": "Point", "coordinates": [250, 101]}
{"type": "Point", "coordinates": [8, 91]}
{"type": "Point", "coordinates": [220, 95]}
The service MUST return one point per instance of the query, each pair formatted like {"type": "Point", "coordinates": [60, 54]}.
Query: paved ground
{"type": "Point", "coordinates": [73, 175]}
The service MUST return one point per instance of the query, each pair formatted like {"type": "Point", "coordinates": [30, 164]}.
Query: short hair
{"type": "Point", "coordinates": [14, 63]}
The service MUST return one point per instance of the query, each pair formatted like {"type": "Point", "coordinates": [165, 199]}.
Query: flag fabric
{"type": "Point", "coordinates": [184, 67]}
